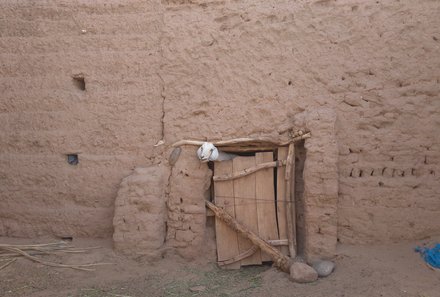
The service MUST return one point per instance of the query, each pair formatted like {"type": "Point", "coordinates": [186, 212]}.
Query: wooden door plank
{"type": "Point", "coordinates": [281, 191]}
{"type": "Point", "coordinates": [246, 206]}
{"type": "Point", "coordinates": [227, 239]}
{"type": "Point", "coordinates": [265, 196]}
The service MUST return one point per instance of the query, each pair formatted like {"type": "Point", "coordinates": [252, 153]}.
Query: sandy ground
{"type": "Point", "coordinates": [385, 270]}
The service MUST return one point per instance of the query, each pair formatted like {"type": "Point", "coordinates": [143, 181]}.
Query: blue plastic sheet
{"type": "Point", "coordinates": [430, 255]}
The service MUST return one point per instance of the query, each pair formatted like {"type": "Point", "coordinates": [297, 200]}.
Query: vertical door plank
{"type": "Point", "coordinates": [292, 198]}
{"type": "Point", "coordinates": [265, 193]}
{"type": "Point", "coordinates": [227, 239]}
{"type": "Point", "coordinates": [246, 206]}
{"type": "Point", "coordinates": [281, 191]}
{"type": "Point", "coordinates": [291, 228]}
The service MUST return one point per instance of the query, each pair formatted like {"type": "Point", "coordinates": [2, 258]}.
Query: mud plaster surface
{"type": "Point", "coordinates": [140, 215]}
{"type": "Point", "coordinates": [212, 70]}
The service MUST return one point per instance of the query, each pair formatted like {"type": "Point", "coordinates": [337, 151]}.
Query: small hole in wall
{"type": "Point", "coordinates": [380, 184]}
{"type": "Point", "coordinates": [181, 200]}
{"type": "Point", "coordinates": [289, 83]}
{"type": "Point", "coordinates": [79, 82]}
{"type": "Point", "coordinates": [72, 159]}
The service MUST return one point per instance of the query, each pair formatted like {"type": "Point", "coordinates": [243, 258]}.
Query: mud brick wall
{"type": "Point", "coordinates": [112, 124]}
{"type": "Point", "coordinates": [140, 215]}
{"type": "Point", "coordinates": [189, 187]}
{"type": "Point", "coordinates": [209, 70]}
{"type": "Point", "coordinates": [319, 199]}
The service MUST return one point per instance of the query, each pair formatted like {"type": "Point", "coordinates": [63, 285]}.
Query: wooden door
{"type": "Point", "coordinates": [251, 200]}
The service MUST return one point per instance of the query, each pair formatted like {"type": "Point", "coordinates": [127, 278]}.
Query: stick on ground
{"type": "Point", "coordinates": [29, 252]}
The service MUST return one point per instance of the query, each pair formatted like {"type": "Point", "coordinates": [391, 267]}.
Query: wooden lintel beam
{"type": "Point", "coordinates": [243, 142]}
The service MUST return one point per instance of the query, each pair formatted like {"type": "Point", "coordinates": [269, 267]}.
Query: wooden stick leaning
{"type": "Point", "coordinates": [280, 260]}
{"type": "Point", "coordinates": [249, 170]}
{"type": "Point", "coordinates": [289, 203]}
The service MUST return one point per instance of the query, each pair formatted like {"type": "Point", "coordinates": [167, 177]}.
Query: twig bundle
{"type": "Point", "coordinates": [10, 253]}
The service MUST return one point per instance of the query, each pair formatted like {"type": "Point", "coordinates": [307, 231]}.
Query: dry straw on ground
{"type": "Point", "coordinates": [9, 254]}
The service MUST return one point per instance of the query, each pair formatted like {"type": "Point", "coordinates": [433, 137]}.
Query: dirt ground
{"type": "Point", "coordinates": [382, 270]}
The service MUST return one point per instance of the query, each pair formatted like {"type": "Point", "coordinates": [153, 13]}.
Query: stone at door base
{"type": "Point", "coordinates": [302, 273]}
{"type": "Point", "coordinates": [323, 268]}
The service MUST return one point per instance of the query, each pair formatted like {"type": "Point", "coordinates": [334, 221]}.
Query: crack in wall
{"type": "Point", "coordinates": [162, 119]}
{"type": "Point", "coordinates": [167, 199]}
{"type": "Point", "coordinates": [162, 82]}
{"type": "Point", "coordinates": [162, 123]}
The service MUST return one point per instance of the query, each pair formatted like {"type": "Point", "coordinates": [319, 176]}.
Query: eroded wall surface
{"type": "Point", "coordinates": [112, 124]}
{"type": "Point", "coordinates": [140, 213]}
{"type": "Point", "coordinates": [211, 70]}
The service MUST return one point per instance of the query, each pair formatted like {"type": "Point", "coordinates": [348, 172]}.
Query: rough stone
{"type": "Point", "coordinates": [323, 267]}
{"type": "Point", "coordinates": [302, 273]}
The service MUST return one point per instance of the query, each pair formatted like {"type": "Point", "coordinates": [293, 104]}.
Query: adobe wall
{"type": "Point", "coordinates": [210, 70]}
{"type": "Point", "coordinates": [113, 124]}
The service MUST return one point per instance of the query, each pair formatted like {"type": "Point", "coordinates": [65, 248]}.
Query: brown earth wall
{"type": "Point", "coordinates": [209, 70]}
